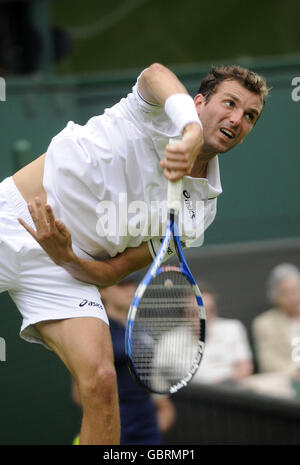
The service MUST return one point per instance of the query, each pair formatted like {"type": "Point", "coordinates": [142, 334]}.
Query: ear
{"type": "Point", "coordinates": [199, 101]}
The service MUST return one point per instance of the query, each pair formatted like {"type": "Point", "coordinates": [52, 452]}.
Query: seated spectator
{"type": "Point", "coordinates": [227, 354]}
{"type": "Point", "coordinates": [276, 332]}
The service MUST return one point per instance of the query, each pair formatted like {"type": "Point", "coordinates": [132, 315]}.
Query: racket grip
{"type": "Point", "coordinates": [174, 190]}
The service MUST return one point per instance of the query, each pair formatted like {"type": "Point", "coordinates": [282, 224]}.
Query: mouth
{"type": "Point", "coordinates": [227, 133]}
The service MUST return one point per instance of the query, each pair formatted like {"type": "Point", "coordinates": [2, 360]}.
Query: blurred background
{"type": "Point", "coordinates": [68, 60]}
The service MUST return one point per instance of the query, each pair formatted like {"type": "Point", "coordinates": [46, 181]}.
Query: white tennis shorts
{"type": "Point", "coordinates": [40, 289]}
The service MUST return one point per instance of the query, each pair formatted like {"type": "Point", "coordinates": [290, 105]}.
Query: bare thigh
{"type": "Point", "coordinates": [83, 344]}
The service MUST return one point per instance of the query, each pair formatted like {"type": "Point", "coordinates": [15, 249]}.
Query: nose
{"type": "Point", "coordinates": [236, 117]}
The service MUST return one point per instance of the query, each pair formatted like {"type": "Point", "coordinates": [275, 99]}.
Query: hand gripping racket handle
{"type": "Point", "coordinates": [174, 190]}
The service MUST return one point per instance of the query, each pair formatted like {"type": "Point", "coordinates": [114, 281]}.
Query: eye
{"type": "Point", "coordinates": [250, 117]}
{"type": "Point", "coordinates": [229, 103]}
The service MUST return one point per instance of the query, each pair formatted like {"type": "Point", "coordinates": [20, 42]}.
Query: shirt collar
{"type": "Point", "coordinates": [211, 185]}
{"type": "Point", "coordinates": [213, 178]}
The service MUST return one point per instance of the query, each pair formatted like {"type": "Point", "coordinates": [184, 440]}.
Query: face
{"type": "Point", "coordinates": [288, 295]}
{"type": "Point", "coordinates": [228, 116]}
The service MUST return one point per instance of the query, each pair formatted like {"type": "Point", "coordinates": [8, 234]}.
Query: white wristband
{"type": "Point", "coordinates": [181, 110]}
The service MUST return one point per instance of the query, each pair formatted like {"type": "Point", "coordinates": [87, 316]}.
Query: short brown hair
{"type": "Point", "coordinates": [248, 79]}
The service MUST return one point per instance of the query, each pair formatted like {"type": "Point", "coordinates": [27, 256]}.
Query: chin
{"type": "Point", "coordinates": [219, 145]}
{"type": "Point", "coordinates": [215, 146]}
{"type": "Point", "coordinates": [218, 148]}
{"type": "Point", "coordinates": [223, 148]}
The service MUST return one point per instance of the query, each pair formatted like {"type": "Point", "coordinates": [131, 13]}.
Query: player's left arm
{"type": "Point", "coordinates": [110, 272]}
{"type": "Point", "coordinates": [55, 239]}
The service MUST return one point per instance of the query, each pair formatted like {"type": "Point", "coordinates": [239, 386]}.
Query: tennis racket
{"type": "Point", "coordinates": [165, 329]}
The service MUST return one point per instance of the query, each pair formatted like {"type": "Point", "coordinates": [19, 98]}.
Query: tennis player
{"type": "Point", "coordinates": [125, 150]}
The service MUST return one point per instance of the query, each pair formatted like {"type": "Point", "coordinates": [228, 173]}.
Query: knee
{"type": "Point", "coordinates": [100, 385]}
{"type": "Point", "coordinates": [106, 380]}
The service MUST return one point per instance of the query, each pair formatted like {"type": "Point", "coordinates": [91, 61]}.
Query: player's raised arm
{"type": "Point", "coordinates": [159, 85]}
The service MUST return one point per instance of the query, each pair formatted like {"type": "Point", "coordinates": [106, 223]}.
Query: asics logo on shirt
{"type": "Point", "coordinates": [189, 204]}
{"type": "Point", "coordinates": [186, 194]}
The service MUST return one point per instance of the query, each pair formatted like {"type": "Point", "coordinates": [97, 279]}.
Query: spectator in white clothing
{"type": "Point", "coordinates": [227, 354]}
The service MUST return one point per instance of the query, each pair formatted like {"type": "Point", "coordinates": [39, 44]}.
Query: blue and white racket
{"type": "Point", "coordinates": [165, 331]}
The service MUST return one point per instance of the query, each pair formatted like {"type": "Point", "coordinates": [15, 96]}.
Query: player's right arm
{"type": "Point", "coordinates": [160, 86]}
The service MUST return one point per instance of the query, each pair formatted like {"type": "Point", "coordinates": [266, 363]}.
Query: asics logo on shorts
{"type": "Point", "coordinates": [90, 304]}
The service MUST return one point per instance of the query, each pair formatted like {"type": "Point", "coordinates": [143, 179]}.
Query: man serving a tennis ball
{"type": "Point", "coordinates": [125, 150]}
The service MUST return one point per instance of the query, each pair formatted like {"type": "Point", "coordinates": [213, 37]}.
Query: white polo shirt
{"type": "Point", "coordinates": [226, 345]}
{"type": "Point", "coordinates": [105, 183]}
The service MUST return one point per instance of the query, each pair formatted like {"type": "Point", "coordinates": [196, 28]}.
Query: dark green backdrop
{"type": "Point", "coordinates": [129, 33]}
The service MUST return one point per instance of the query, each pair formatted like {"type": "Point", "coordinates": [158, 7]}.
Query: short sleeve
{"type": "Point", "coordinates": [140, 99]}
{"type": "Point", "coordinates": [151, 119]}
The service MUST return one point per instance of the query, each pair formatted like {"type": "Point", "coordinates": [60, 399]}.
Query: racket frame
{"type": "Point", "coordinates": [155, 269]}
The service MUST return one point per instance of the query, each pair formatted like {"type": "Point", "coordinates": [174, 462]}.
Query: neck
{"type": "Point", "coordinates": [199, 169]}
{"type": "Point", "coordinates": [207, 152]}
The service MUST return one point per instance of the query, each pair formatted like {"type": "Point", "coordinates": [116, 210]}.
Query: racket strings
{"type": "Point", "coordinates": [166, 331]}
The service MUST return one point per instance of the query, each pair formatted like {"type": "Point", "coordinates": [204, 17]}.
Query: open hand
{"type": "Point", "coordinates": [50, 233]}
